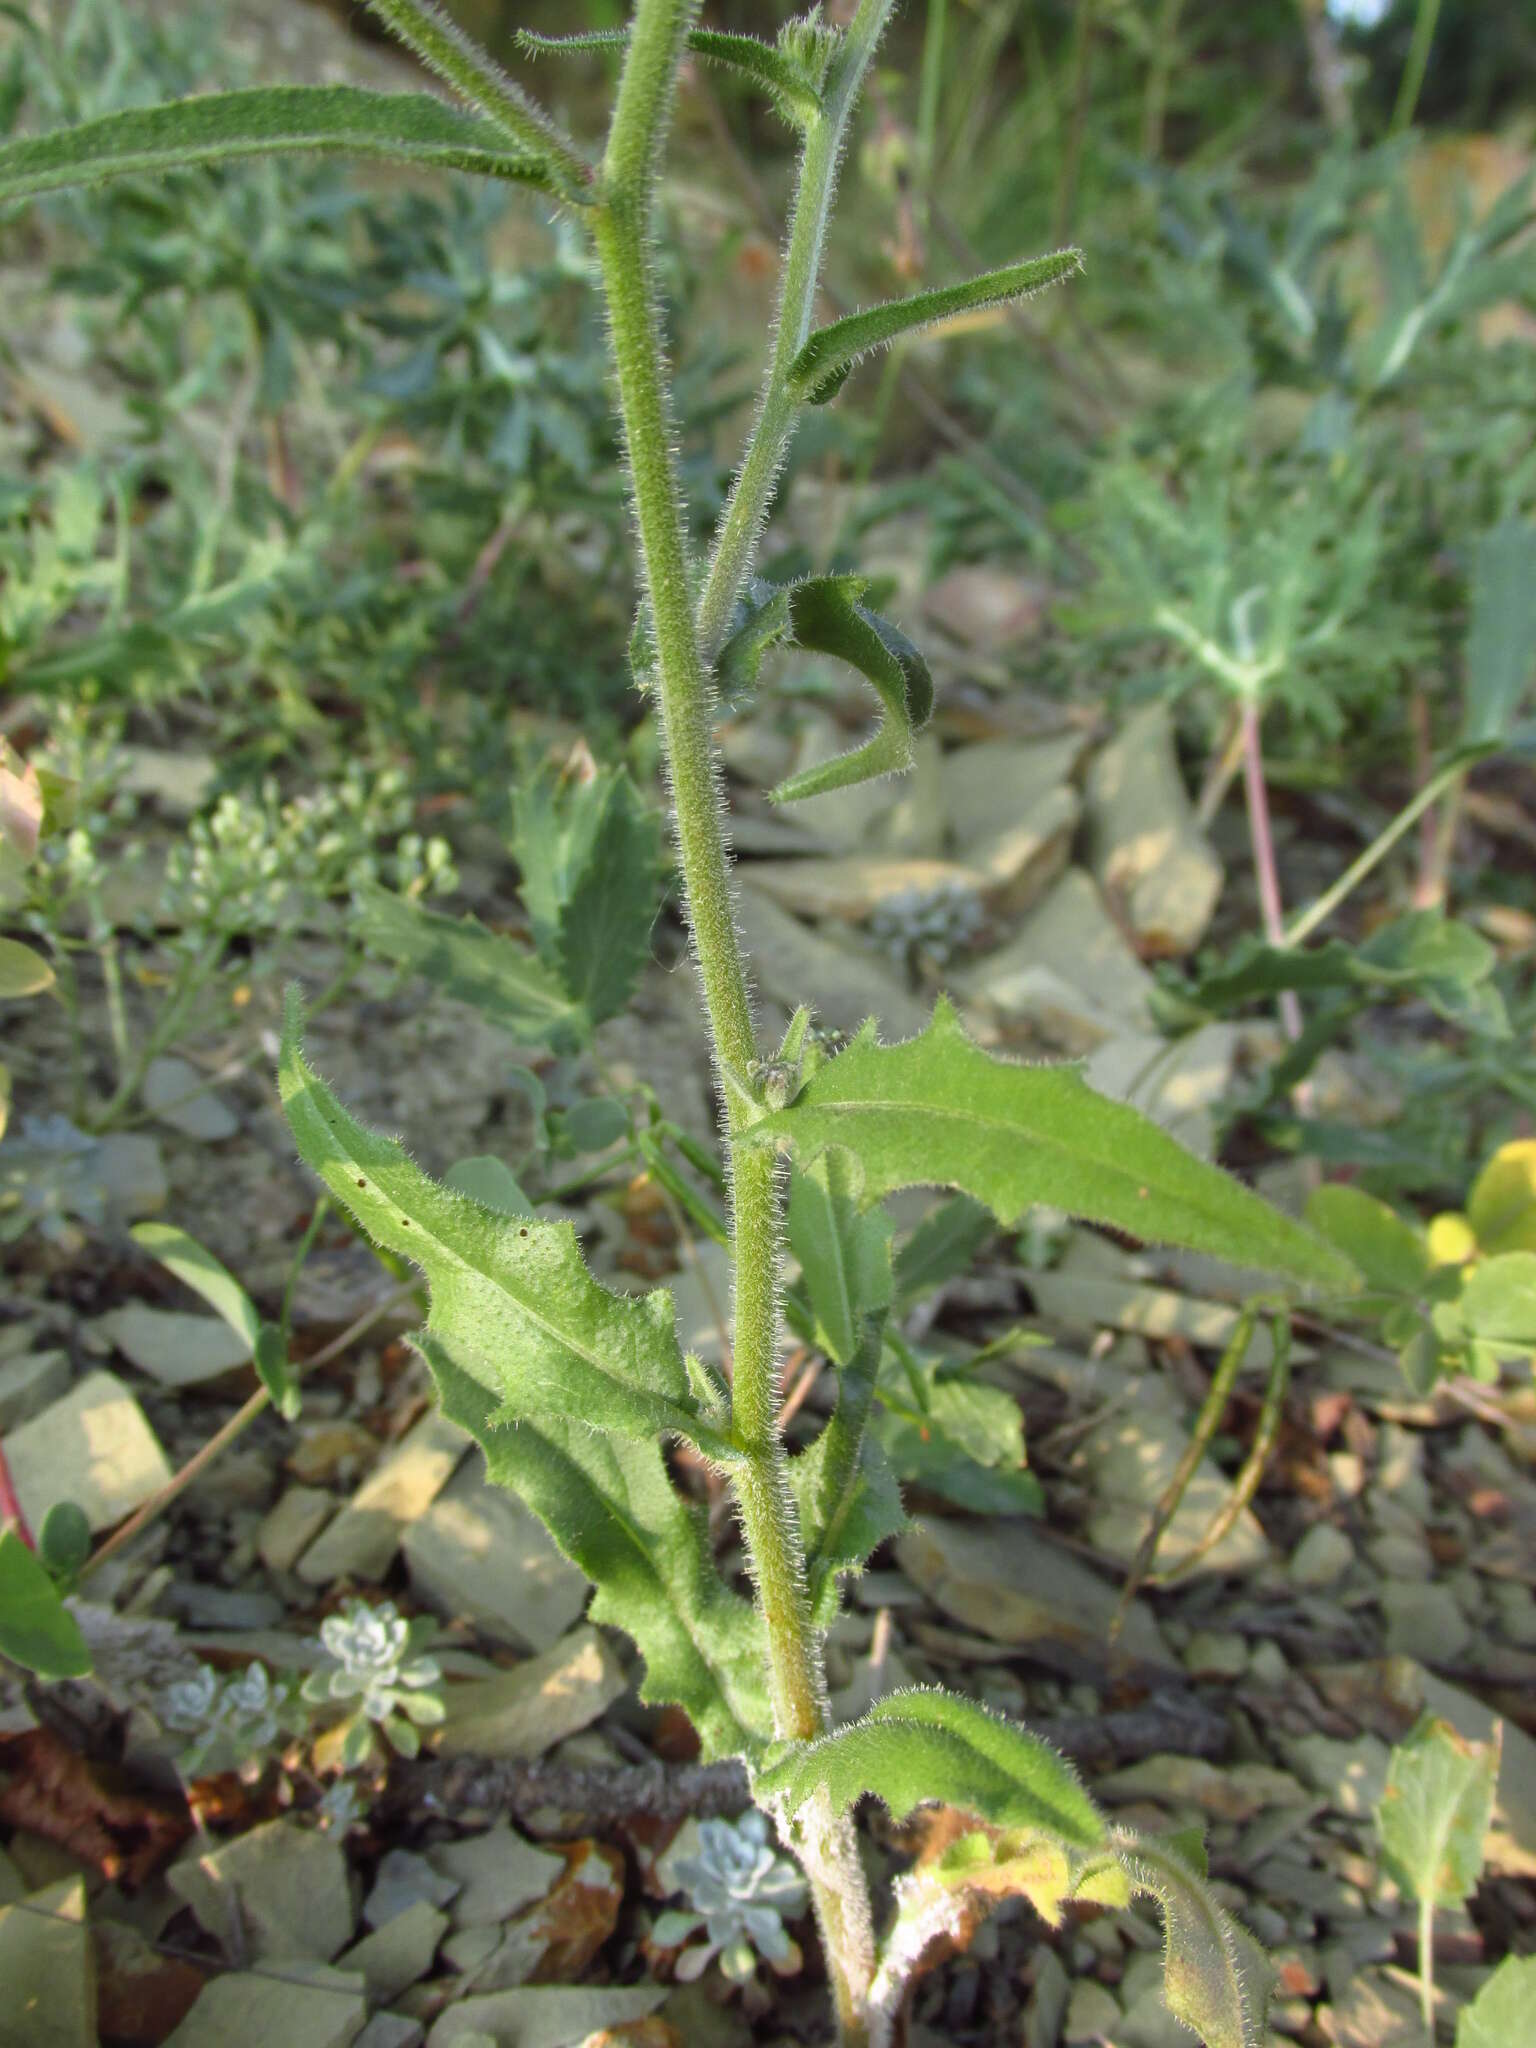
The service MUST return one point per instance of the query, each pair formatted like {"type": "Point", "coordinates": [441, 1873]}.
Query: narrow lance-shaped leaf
{"type": "Point", "coordinates": [1501, 641]}
{"type": "Point", "coordinates": [938, 1111]}
{"type": "Point", "coordinates": [824, 615]}
{"type": "Point", "coordinates": [216, 127]}
{"type": "Point", "coordinates": [822, 366]}
{"type": "Point", "coordinates": [762, 63]}
{"type": "Point", "coordinates": [513, 1300]}
{"type": "Point", "coordinates": [196, 1267]}
{"type": "Point", "coordinates": [1205, 1981]}
{"type": "Point", "coordinates": [924, 1745]}
{"type": "Point", "coordinates": [611, 1508]}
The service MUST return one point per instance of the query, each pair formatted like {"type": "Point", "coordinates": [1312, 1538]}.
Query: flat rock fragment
{"type": "Point", "coordinates": [545, 2016]}
{"type": "Point", "coordinates": [292, 2003]}
{"type": "Point", "coordinates": [478, 1552]}
{"type": "Point", "coordinates": [29, 1384]}
{"type": "Point", "coordinates": [94, 1447]}
{"type": "Point", "coordinates": [48, 1970]}
{"type": "Point", "coordinates": [363, 1538]}
{"type": "Point", "coordinates": [178, 1095]}
{"type": "Point", "coordinates": [398, 1953]}
{"type": "Point", "coordinates": [498, 1873]}
{"type": "Point", "coordinates": [297, 1517]}
{"type": "Point", "coordinates": [176, 1348]}
{"type": "Point", "coordinates": [1009, 1582]}
{"type": "Point", "coordinates": [522, 1713]}
{"type": "Point", "coordinates": [289, 1886]}
{"type": "Point", "coordinates": [843, 981]}
{"type": "Point", "coordinates": [1149, 854]}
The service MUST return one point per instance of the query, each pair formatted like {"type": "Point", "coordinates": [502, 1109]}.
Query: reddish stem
{"type": "Point", "coordinates": [11, 1516]}
{"type": "Point", "coordinates": [1264, 856]}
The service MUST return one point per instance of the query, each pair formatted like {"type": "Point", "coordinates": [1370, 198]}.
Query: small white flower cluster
{"type": "Point", "coordinates": [376, 1664]}
{"type": "Point", "coordinates": [740, 1892]}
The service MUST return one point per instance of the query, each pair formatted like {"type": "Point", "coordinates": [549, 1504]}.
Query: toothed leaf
{"type": "Point", "coordinates": [612, 1510]}
{"type": "Point", "coordinates": [922, 1745]}
{"type": "Point", "coordinates": [215, 127]}
{"type": "Point", "coordinates": [938, 1111]}
{"type": "Point", "coordinates": [1434, 1812]}
{"type": "Point", "coordinates": [512, 1298]}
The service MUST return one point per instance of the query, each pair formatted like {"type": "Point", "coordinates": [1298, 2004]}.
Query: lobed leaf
{"type": "Point", "coordinates": [1434, 1812]}
{"type": "Point", "coordinates": [937, 1110]}
{"type": "Point", "coordinates": [822, 366]}
{"type": "Point", "coordinates": [1502, 2008]}
{"type": "Point", "coordinates": [513, 1299]}
{"type": "Point", "coordinates": [217, 127]}
{"type": "Point", "coordinates": [612, 1510]}
{"type": "Point", "coordinates": [922, 1745]}
{"type": "Point", "coordinates": [491, 972]}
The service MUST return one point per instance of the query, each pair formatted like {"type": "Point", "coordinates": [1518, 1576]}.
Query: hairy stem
{"type": "Point", "coordinates": [443, 48]}
{"type": "Point", "coordinates": [621, 225]}
{"type": "Point", "coordinates": [747, 506]}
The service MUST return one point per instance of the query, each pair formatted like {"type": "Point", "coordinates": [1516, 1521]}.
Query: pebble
{"type": "Point", "coordinates": [173, 1347]}
{"type": "Point", "coordinates": [94, 1447]}
{"type": "Point", "coordinates": [290, 1884]}
{"type": "Point", "coordinates": [293, 1523]}
{"type": "Point", "coordinates": [47, 1969]}
{"type": "Point", "coordinates": [398, 1953]}
{"type": "Point", "coordinates": [478, 1552]}
{"type": "Point", "coordinates": [204, 1606]}
{"type": "Point", "coordinates": [29, 1384]}
{"type": "Point", "coordinates": [401, 1881]}
{"type": "Point", "coordinates": [1093, 2015]}
{"type": "Point", "coordinates": [297, 2006]}
{"type": "Point", "coordinates": [1424, 1621]}
{"type": "Point", "coordinates": [364, 1537]}
{"type": "Point", "coordinates": [522, 1713]}
{"type": "Point", "coordinates": [1322, 1556]}
{"type": "Point", "coordinates": [177, 1094]}
{"type": "Point", "coordinates": [1212, 1655]}
{"type": "Point", "coordinates": [497, 1873]}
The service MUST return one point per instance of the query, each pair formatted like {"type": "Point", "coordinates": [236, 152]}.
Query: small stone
{"type": "Point", "coordinates": [294, 2003]}
{"type": "Point", "coordinates": [1347, 1471]}
{"type": "Point", "coordinates": [295, 1521]}
{"type": "Point", "coordinates": [524, 1712]}
{"type": "Point", "coordinates": [391, 2030]}
{"type": "Point", "coordinates": [29, 1384]}
{"type": "Point", "coordinates": [93, 1447]}
{"type": "Point", "coordinates": [1400, 1471]}
{"type": "Point", "coordinates": [1424, 1621]}
{"type": "Point", "coordinates": [843, 980]}
{"type": "Point", "coordinates": [1351, 1775]}
{"type": "Point", "coordinates": [1072, 936]}
{"type": "Point", "coordinates": [131, 1173]}
{"type": "Point", "coordinates": [1322, 1556]}
{"type": "Point", "coordinates": [545, 2016]}
{"type": "Point", "coordinates": [1093, 2015]}
{"type": "Point", "coordinates": [1401, 1557]}
{"type": "Point", "coordinates": [1149, 853]}
{"type": "Point", "coordinates": [1212, 1655]}
{"type": "Point", "coordinates": [363, 1538]}
{"type": "Point", "coordinates": [332, 1450]}
{"type": "Point", "coordinates": [1048, 2001]}
{"type": "Point", "coordinates": [289, 1883]}
{"type": "Point", "coordinates": [1267, 1665]}
{"type": "Point", "coordinates": [177, 1349]}
{"type": "Point", "coordinates": [1011, 1583]}
{"type": "Point", "coordinates": [398, 1953]}
{"type": "Point", "coordinates": [478, 1552]}
{"type": "Point", "coordinates": [498, 1873]}
{"type": "Point", "coordinates": [403, 1880]}
{"type": "Point", "coordinates": [176, 1094]}
{"type": "Point", "coordinates": [221, 1607]}
{"type": "Point", "coordinates": [48, 1970]}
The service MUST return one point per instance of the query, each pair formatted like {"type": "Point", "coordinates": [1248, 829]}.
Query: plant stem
{"type": "Point", "coordinates": [1415, 67]}
{"type": "Point", "coordinates": [1427, 1965]}
{"type": "Point", "coordinates": [1264, 854]}
{"type": "Point", "coordinates": [747, 506]}
{"type": "Point", "coordinates": [1154, 106]}
{"type": "Point", "coordinates": [1326, 904]}
{"type": "Point", "coordinates": [11, 1514]}
{"type": "Point", "coordinates": [621, 226]}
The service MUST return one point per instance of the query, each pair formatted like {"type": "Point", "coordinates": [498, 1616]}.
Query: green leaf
{"type": "Point", "coordinates": [198, 1269]}
{"type": "Point", "coordinates": [217, 127]}
{"type": "Point", "coordinates": [848, 1497]}
{"type": "Point", "coordinates": [612, 1510]}
{"type": "Point", "coordinates": [844, 1252]}
{"type": "Point", "coordinates": [821, 367]}
{"type": "Point", "coordinates": [275, 1371]}
{"type": "Point", "coordinates": [64, 1539]}
{"type": "Point", "coordinates": [960, 1438]}
{"type": "Point", "coordinates": [23, 971]}
{"type": "Point", "coordinates": [942, 1247]}
{"type": "Point", "coordinates": [463, 960]}
{"type": "Point", "coordinates": [1498, 1301]}
{"type": "Point", "coordinates": [1433, 1814]}
{"type": "Point", "coordinates": [1204, 1980]}
{"type": "Point", "coordinates": [1501, 640]}
{"type": "Point", "coordinates": [1501, 1208]}
{"type": "Point", "coordinates": [938, 1110]}
{"type": "Point", "coordinates": [1501, 2011]}
{"type": "Point", "coordinates": [37, 1630]}
{"type": "Point", "coordinates": [1389, 1253]}
{"type": "Point", "coordinates": [783, 79]}
{"type": "Point", "coordinates": [513, 1300]}
{"type": "Point", "coordinates": [605, 924]}
{"type": "Point", "coordinates": [925, 1744]}
{"type": "Point", "coordinates": [490, 1182]}
{"type": "Point", "coordinates": [1423, 952]}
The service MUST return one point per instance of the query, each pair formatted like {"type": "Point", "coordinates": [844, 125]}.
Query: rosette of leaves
{"type": "Point", "coordinates": [740, 1893]}
{"type": "Point", "coordinates": [232, 1723]}
{"type": "Point", "coordinates": [377, 1664]}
